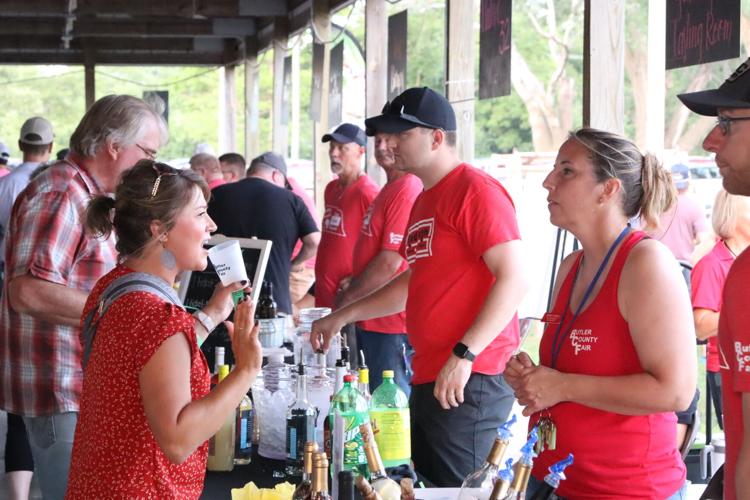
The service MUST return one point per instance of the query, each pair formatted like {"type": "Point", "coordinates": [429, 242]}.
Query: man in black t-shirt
{"type": "Point", "coordinates": [261, 206]}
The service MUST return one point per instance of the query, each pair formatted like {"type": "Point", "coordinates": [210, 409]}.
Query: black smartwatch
{"type": "Point", "coordinates": [462, 351]}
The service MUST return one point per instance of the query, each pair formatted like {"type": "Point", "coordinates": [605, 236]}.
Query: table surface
{"type": "Point", "coordinates": [264, 472]}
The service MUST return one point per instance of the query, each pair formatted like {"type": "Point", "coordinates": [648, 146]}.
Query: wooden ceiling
{"type": "Point", "coordinates": [145, 32]}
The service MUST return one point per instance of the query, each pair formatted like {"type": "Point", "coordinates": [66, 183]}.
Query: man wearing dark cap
{"type": "Point", "coordinates": [261, 206]}
{"type": "Point", "coordinates": [346, 200]}
{"type": "Point", "coordinates": [461, 291]}
{"type": "Point", "coordinates": [4, 158]}
{"type": "Point", "coordinates": [729, 140]}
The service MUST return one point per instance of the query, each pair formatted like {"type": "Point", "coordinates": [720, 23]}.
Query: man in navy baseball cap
{"type": "Point", "coordinates": [346, 133]}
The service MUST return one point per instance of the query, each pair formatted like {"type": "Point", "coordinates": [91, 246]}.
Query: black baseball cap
{"type": "Point", "coordinates": [345, 133]}
{"type": "Point", "coordinates": [414, 107]}
{"type": "Point", "coordinates": [733, 93]}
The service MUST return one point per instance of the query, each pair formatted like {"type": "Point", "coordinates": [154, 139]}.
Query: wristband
{"type": "Point", "coordinates": [205, 320]}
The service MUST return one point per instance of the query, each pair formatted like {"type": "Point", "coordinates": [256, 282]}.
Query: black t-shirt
{"type": "Point", "coordinates": [254, 207]}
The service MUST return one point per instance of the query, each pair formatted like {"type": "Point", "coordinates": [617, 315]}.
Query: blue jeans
{"type": "Point", "coordinates": [386, 351]}
{"type": "Point", "coordinates": [681, 494]}
{"type": "Point", "coordinates": [51, 440]}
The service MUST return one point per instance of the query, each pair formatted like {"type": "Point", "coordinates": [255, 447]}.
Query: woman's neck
{"type": "Point", "coordinates": [736, 244]}
{"type": "Point", "coordinates": [150, 263]}
{"type": "Point", "coordinates": [596, 239]}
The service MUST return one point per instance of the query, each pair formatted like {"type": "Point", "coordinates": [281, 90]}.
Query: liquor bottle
{"type": "Point", "coordinates": [221, 444]}
{"type": "Point", "coordinates": [479, 483]}
{"type": "Point", "coordinates": [389, 412]}
{"type": "Point", "coordinates": [320, 478]}
{"type": "Point", "coordinates": [387, 487]}
{"type": "Point", "coordinates": [346, 485]}
{"type": "Point", "coordinates": [219, 355]}
{"type": "Point", "coordinates": [327, 435]}
{"type": "Point", "coordinates": [502, 483]}
{"type": "Point", "coordinates": [353, 410]}
{"type": "Point", "coordinates": [304, 488]}
{"type": "Point", "coordinates": [366, 490]}
{"type": "Point", "coordinates": [517, 490]}
{"type": "Point", "coordinates": [342, 369]}
{"type": "Point", "coordinates": [407, 489]}
{"type": "Point", "coordinates": [552, 480]}
{"type": "Point", "coordinates": [363, 383]}
{"type": "Point", "coordinates": [243, 441]}
{"type": "Point", "coordinates": [266, 308]}
{"type": "Point", "coordinates": [301, 417]}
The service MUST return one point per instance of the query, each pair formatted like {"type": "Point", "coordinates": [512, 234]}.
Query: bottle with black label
{"type": "Point", "coordinates": [243, 441]}
{"type": "Point", "coordinates": [301, 418]}
{"type": "Point", "coordinates": [266, 308]}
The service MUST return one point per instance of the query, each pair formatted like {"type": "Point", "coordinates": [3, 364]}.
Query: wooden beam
{"type": "Point", "coordinates": [190, 9]}
{"type": "Point", "coordinates": [655, 77]}
{"type": "Point", "coordinates": [90, 83]}
{"type": "Point", "coordinates": [295, 98]}
{"type": "Point", "coordinates": [13, 8]}
{"type": "Point", "coordinates": [459, 84]}
{"type": "Point", "coordinates": [230, 109]}
{"type": "Point", "coordinates": [280, 130]}
{"type": "Point", "coordinates": [322, 21]}
{"type": "Point", "coordinates": [604, 65]}
{"type": "Point", "coordinates": [116, 58]}
{"type": "Point", "coordinates": [252, 98]}
{"type": "Point", "coordinates": [376, 73]}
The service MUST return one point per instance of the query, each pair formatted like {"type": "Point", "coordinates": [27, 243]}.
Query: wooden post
{"type": "Point", "coordinates": [376, 75]}
{"type": "Point", "coordinates": [90, 82]}
{"type": "Point", "coordinates": [322, 22]}
{"type": "Point", "coordinates": [604, 65]}
{"type": "Point", "coordinates": [252, 91]}
{"type": "Point", "coordinates": [280, 131]}
{"type": "Point", "coordinates": [459, 84]}
{"type": "Point", "coordinates": [230, 110]}
{"type": "Point", "coordinates": [294, 121]}
{"type": "Point", "coordinates": [655, 96]}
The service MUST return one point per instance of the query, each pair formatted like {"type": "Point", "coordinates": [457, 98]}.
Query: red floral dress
{"type": "Point", "coordinates": [115, 454]}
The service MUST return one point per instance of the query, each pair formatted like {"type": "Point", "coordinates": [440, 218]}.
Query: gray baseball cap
{"type": "Point", "coordinates": [37, 131]}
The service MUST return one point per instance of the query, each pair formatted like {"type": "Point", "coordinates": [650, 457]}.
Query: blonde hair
{"type": "Point", "coordinates": [727, 209]}
{"type": "Point", "coordinates": [647, 188]}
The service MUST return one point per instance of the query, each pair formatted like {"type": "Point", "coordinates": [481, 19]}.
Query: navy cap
{"type": "Point", "coordinates": [345, 133]}
{"type": "Point", "coordinates": [414, 107]}
{"type": "Point", "coordinates": [733, 93]}
{"type": "Point", "coordinates": [680, 175]}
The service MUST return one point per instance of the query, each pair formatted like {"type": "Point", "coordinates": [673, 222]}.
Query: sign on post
{"type": "Point", "coordinates": [701, 32]}
{"type": "Point", "coordinates": [494, 48]}
{"type": "Point", "coordinates": [397, 37]}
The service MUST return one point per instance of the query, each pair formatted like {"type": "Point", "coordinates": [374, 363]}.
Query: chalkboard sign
{"type": "Point", "coordinates": [702, 31]}
{"type": "Point", "coordinates": [494, 48]}
{"type": "Point", "coordinates": [397, 37]}
{"type": "Point", "coordinates": [196, 287]}
{"type": "Point", "coordinates": [316, 93]}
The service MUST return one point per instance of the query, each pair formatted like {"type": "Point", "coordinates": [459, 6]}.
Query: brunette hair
{"type": "Point", "coordinates": [146, 192]}
{"type": "Point", "coordinates": [647, 188]}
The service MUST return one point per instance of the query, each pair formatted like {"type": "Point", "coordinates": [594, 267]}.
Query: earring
{"type": "Point", "coordinates": [167, 258]}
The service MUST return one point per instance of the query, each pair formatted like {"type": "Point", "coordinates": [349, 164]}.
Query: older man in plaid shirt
{"type": "Point", "coordinates": [51, 264]}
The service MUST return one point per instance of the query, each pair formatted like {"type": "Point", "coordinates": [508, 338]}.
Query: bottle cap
{"type": "Point", "coordinates": [223, 372]}
{"type": "Point", "coordinates": [348, 378]}
{"type": "Point", "coordinates": [387, 373]}
{"type": "Point", "coordinates": [507, 473]}
{"type": "Point", "coordinates": [557, 473]}
{"type": "Point", "coordinates": [503, 431]}
{"type": "Point", "coordinates": [364, 376]}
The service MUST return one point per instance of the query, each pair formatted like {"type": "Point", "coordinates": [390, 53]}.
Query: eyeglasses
{"type": "Point", "coordinates": [150, 153]}
{"type": "Point", "coordinates": [161, 170]}
{"type": "Point", "coordinates": [725, 122]}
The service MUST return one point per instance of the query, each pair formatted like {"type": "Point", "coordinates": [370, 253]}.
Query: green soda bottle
{"type": "Point", "coordinates": [353, 408]}
{"type": "Point", "coordinates": [389, 413]}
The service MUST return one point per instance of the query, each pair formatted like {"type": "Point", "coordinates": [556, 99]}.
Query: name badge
{"type": "Point", "coordinates": [551, 319]}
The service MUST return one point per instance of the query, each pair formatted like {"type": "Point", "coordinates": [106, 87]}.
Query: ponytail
{"type": "Point", "coordinates": [658, 193]}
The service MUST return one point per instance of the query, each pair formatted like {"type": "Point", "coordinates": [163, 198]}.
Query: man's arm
{"type": "Point", "coordinates": [310, 244]}
{"type": "Point", "coordinates": [706, 323]}
{"type": "Point", "coordinates": [742, 472]}
{"type": "Point", "coordinates": [506, 265]}
{"type": "Point", "coordinates": [377, 273]}
{"type": "Point", "coordinates": [46, 300]}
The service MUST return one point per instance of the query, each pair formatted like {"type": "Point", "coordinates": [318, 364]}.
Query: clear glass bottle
{"type": "Point", "coordinates": [502, 483]}
{"type": "Point", "coordinates": [478, 484]}
{"type": "Point", "coordinates": [301, 417]}
{"type": "Point", "coordinates": [353, 409]}
{"type": "Point", "coordinates": [385, 486]}
{"type": "Point", "coordinates": [552, 480]}
{"type": "Point", "coordinates": [363, 382]}
{"type": "Point", "coordinates": [221, 444]}
{"type": "Point", "coordinates": [389, 414]}
{"type": "Point", "coordinates": [304, 488]}
{"type": "Point", "coordinates": [517, 490]}
{"type": "Point", "coordinates": [243, 441]}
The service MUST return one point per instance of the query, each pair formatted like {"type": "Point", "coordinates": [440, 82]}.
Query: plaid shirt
{"type": "Point", "coordinates": [40, 361]}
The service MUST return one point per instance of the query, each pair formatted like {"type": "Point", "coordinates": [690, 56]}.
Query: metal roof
{"type": "Point", "coordinates": [148, 32]}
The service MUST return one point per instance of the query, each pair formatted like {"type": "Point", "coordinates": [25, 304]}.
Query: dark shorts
{"type": "Point", "coordinates": [686, 416]}
{"type": "Point", "coordinates": [447, 445]}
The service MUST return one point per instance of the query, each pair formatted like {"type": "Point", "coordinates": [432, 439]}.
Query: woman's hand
{"type": "Point", "coordinates": [538, 388]}
{"type": "Point", "coordinates": [515, 369]}
{"type": "Point", "coordinates": [248, 353]}
{"type": "Point", "coordinates": [220, 305]}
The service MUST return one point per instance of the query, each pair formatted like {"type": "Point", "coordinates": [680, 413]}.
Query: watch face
{"type": "Point", "coordinates": [460, 350]}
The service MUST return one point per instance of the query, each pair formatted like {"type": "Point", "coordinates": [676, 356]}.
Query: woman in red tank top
{"type": "Point", "coordinates": [617, 357]}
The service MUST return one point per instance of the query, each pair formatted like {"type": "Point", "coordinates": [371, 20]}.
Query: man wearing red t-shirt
{"type": "Point", "coordinates": [377, 260]}
{"type": "Point", "coordinates": [461, 291]}
{"type": "Point", "coordinates": [346, 200]}
{"type": "Point", "coordinates": [729, 140]}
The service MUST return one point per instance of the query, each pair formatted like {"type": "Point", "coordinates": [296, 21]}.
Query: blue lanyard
{"type": "Point", "coordinates": [558, 340]}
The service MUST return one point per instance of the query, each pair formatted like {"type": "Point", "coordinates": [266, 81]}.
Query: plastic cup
{"type": "Point", "coordinates": [227, 260]}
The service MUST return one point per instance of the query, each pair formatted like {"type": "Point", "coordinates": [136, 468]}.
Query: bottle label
{"type": "Point", "coordinates": [394, 433]}
{"type": "Point", "coordinates": [246, 429]}
{"type": "Point", "coordinates": [354, 449]}
{"type": "Point", "coordinates": [300, 428]}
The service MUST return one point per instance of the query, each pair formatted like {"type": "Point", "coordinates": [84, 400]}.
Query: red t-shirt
{"type": "Point", "coordinates": [616, 455]}
{"type": "Point", "coordinates": [383, 228]}
{"type": "Point", "coordinates": [451, 226]}
{"type": "Point", "coordinates": [345, 209]}
{"type": "Point", "coordinates": [734, 343]}
{"type": "Point", "coordinates": [707, 282]}
{"type": "Point", "coordinates": [115, 454]}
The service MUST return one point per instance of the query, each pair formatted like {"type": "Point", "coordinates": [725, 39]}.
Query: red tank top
{"type": "Point", "coordinates": [616, 456]}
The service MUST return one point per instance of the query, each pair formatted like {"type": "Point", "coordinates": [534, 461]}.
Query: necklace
{"type": "Point", "coordinates": [729, 248]}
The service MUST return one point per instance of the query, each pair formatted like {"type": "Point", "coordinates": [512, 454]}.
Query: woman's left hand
{"type": "Point", "coordinates": [539, 388]}
{"type": "Point", "coordinates": [220, 305]}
